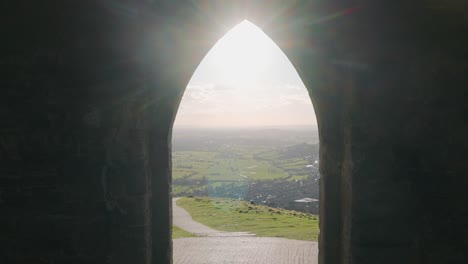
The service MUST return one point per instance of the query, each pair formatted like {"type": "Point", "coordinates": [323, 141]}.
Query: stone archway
{"type": "Point", "coordinates": [189, 131]}
{"type": "Point", "coordinates": [291, 41]}
{"type": "Point", "coordinates": [91, 89]}
{"type": "Point", "coordinates": [354, 69]}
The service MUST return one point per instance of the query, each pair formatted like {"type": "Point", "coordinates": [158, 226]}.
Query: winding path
{"type": "Point", "coordinates": [217, 247]}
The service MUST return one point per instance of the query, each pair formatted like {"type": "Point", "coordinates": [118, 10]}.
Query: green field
{"type": "Point", "coordinates": [239, 216]}
{"type": "Point", "coordinates": [179, 233]}
{"type": "Point", "coordinates": [236, 165]}
{"type": "Point", "coordinates": [193, 170]}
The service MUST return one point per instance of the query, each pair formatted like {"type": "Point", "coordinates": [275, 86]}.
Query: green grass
{"type": "Point", "coordinates": [239, 163]}
{"type": "Point", "coordinates": [179, 233]}
{"type": "Point", "coordinates": [299, 177]}
{"type": "Point", "coordinates": [235, 216]}
{"type": "Point", "coordinates": [196, 164]}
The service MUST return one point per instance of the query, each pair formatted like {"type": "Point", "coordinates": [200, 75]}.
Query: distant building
{"type": "Point", "coordinates": [306, 200]}
{"type": "Point", "coordinates": [306, 205]}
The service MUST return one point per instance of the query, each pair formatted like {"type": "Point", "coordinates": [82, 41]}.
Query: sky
{"type": "Point", "coordinates": [245, 80]}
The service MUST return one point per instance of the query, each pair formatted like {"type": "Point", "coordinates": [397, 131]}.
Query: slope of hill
{"type": "Point", "coordinates": [240, 216]}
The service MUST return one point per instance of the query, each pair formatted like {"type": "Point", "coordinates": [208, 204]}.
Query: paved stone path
{"type": "Point", "coordinates": [218, 247]}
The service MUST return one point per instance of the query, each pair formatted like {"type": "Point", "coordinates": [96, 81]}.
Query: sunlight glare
{"type": "Point", "coordinates": [245, 80]}
{"type": "Point", "coordinates": [243, 54]}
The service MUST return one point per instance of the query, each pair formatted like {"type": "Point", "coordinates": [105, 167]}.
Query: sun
{"type": "Point", "coordinates": [243, 54]}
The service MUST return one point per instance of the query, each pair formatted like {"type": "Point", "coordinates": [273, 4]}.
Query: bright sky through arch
{"type": "Point", "coordinates": [245, 80]}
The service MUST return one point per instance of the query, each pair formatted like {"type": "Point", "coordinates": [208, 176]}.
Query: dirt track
{"type": "Point", "coordinates": [213, 247]}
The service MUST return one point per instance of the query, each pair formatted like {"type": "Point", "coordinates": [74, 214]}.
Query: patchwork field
{"type": "Point", "coordinates": [242, 156]}
{"type": "Point", "coordinates": [271, 167]}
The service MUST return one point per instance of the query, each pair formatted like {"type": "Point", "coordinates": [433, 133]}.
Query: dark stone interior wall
{"type": "Point", "coordinates": [387, 82]}
{"type": "Point", "coordinates": [74, 145]}
{"type": "Point", "coordinates": [90, 89]}
{"type": "Point", "coordinates": [405, 117]}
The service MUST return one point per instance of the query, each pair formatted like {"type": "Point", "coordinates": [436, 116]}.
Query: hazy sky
{"type": "Point", "coordinates": [245, 80]}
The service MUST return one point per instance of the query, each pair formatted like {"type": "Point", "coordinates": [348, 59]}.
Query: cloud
{"type": "Point", "coordinates": [264, 103]}
{"type": "Point", "coordinates": [290, 99]}
{"type": "Point", "coordinates": [204, 93]}
{"type": "Point", "coordinates": [209, 86]}
{"type": "Point", "coordinates": [293, 87]}
{"type": "Point", "coordinates": [199, 86]}
{"type": "Point", "coordinates": [197, 93]}
{"type": "Point", "coordinates": [223, 87]}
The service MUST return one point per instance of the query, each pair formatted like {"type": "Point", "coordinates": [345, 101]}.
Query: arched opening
{"type": "Point", "coordinates": [90, 90]}
{"type": "Point", "coordinates": [246, 130]}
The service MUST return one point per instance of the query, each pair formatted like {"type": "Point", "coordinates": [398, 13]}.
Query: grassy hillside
{"type": "Point", "coordinates": [179, 233]}
{"type": "Point", "coordinates": [233, 215]}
